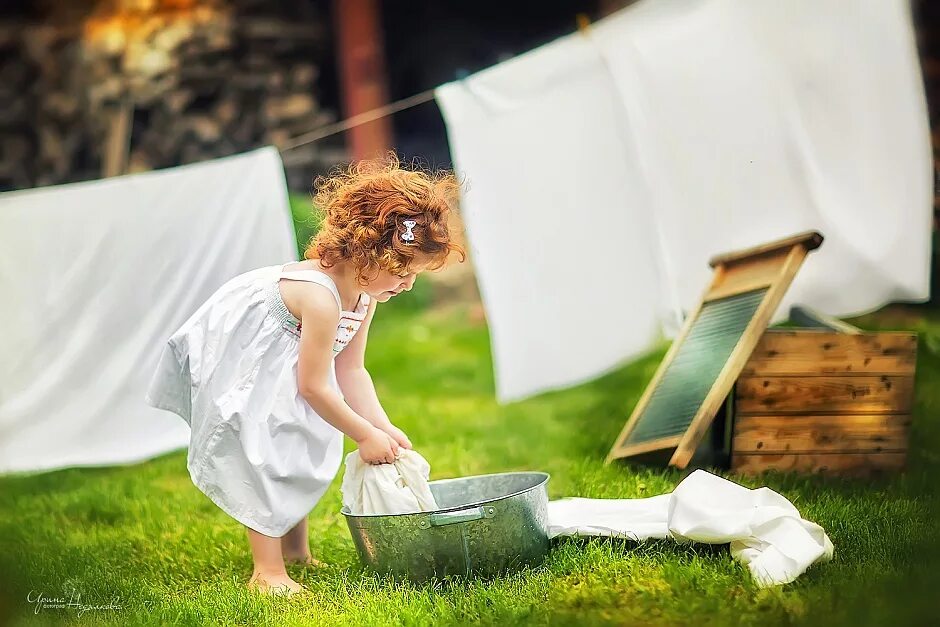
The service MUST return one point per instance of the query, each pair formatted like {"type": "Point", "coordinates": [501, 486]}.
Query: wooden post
{"type": "Point", "coordinates": [363, 81]}
{"type": "Point", "coordinates": [117, 146]}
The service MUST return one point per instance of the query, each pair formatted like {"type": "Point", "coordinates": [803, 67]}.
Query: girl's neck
{"type": "Point", "coordinates": [344, 276]}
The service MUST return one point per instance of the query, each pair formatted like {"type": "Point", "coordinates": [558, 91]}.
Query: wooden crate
{"type": "Point", "coordinates": [823, 401]}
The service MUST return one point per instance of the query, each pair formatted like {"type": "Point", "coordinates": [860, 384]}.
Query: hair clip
{"type": "Point", "coordinates": [408, 235]}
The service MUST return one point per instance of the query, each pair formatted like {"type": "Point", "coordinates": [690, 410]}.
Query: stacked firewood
{"type": "Point", "coordinates": [135, 85]}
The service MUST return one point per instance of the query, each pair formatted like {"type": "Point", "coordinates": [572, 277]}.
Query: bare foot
{"type": "Point", "coordinates": [280, 584]}
{"type": "Point", "coordinates": [305, 560]}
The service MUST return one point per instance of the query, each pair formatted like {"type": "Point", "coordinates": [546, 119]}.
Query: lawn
{"type": "Point", "coordinates": [145, 544]}
{"type": "Point", "coordinates": [145, 539]}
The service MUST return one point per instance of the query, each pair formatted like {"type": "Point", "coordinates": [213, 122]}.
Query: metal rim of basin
{"type": "Point", "coordinates": [544, 479]}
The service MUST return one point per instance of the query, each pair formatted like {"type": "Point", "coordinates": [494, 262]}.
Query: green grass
{"type": "Point", "coordinates": [145, 538]}
{"type": "Point", "coordinates": [306, 220]}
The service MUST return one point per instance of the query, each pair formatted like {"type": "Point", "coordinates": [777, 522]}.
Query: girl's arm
{"type": "Point", "coordinates": [356, 382]}
{"type": "Point", "coordinates": [319, 317]}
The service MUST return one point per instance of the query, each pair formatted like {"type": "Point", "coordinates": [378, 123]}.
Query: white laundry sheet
{"type": "Point", "coordinates": [765, 530]}
{"type": "Point", "coordinates": [397, 488]}
{"type": "Point", "coordinates": [96, 276]}
{"type": "Point", "coordinates": [605, 168]}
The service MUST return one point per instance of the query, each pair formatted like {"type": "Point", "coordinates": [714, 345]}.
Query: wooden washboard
{"type": "Point", "coordinates": [716, 340]}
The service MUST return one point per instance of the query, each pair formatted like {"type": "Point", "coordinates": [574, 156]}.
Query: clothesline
{"type": "Point", "coordinates": [358, 119]}
{"type": "Point", "coordinates": [384, 111]}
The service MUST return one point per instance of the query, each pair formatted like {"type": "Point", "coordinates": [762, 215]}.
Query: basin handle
{"type": "Point", "coordinates": [464, 515]}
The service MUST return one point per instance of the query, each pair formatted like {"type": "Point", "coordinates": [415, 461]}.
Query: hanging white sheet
{"type": "Point", "coordinates": [95, 277]}
{"type": "Point", "coordinates": [605, 169]}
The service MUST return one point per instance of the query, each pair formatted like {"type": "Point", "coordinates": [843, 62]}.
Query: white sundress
{"type": "Point", "coordinates": [257, 449]}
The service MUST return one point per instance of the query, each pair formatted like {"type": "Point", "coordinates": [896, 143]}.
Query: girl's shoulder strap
{"type": "Point", "coordinates": [313, 276]}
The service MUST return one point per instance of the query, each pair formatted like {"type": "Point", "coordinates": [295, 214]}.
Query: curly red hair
{"type": "Point", "coordinates": [363, 207]}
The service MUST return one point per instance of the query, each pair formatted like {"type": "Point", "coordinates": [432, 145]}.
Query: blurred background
{"type": "Point", "coordinates": [94, 88]}
{"type": "Point", "coordinates": [97, 88]}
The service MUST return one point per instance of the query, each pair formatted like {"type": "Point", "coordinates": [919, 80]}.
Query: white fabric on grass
{"type": "Point", "coordinates": [765, 530]}
{"type": "Point", "coordinates": [96, 276]}
{"type": "Point", "coordinates": [606, 168]}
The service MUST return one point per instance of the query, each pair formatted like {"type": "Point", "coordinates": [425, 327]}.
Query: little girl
{"type": "Point", "coordinates": [269, 371]}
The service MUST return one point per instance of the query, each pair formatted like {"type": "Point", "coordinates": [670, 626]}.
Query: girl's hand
{"type": "Point", "coordinates": [398, 435]}
{"type": "Point", "coordinates": [378, 447]}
